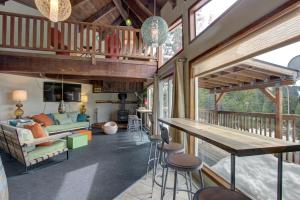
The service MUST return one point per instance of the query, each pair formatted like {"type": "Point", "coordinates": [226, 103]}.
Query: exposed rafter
{"type": "Point", "coordinates": [117, 21]}
{"type": "Point", "coordinates": [140, 11]}
{"type": "Point", "coordinates": [121, 9]}
{"type": "Point", "coordinates": [101, 13]}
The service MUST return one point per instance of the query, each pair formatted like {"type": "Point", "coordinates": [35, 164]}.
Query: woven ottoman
{"type": "Point", "coordinates": [85, 132]}
{"type": "Point", "coordinates": [77, 140]}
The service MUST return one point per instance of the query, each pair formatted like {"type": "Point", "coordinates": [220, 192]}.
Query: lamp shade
{"type": "Point", "coordinates": [84, 99]}
{"type": "Point", "coordinates": [154, 31]}
{"type": "Point", "coordinates": [19, 95]}
{"type": "Point", "coordinates": [55, 10]}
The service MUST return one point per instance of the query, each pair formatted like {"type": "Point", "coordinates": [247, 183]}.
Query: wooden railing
{"type": "Point", "coordinates": [72, 38]}
{"type": "Point", "coordinates": [258, 123]}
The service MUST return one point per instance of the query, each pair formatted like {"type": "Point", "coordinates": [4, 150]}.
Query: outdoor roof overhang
{"type": "Point", "coordinates": [249, 74]}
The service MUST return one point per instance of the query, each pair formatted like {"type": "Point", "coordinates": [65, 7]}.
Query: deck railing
{"type": "Point", "coordinates": [258, 123]}
{"type": "Point", "coordinates": [72, 38]}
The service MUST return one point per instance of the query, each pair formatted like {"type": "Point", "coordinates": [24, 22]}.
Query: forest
{"type": "Point", "coordinates": [252, 101]}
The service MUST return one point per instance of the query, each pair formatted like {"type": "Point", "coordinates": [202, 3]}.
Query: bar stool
{"type": "Point", "coordinates": [185, 163]}
{"type": "Point", "coordinates": [165, 149]}
{"type": "Point", "coordinates": [218, 193]}
{"type": "Point", "coordinates": [135, 125]}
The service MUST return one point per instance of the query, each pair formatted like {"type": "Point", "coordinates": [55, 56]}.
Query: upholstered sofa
{"type": "Point", "coordinates": [66, 122]}
{"type": "Point", "coordinates": [20, 144]}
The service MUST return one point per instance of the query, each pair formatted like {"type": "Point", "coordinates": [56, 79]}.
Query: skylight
{"type": "Point", "coordinates": [210, 12]}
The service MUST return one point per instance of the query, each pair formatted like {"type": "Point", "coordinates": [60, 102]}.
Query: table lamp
{"type": "Point", "coordinates": [19, 96]}
{"type": "Point", "coordinates": [84, 99]}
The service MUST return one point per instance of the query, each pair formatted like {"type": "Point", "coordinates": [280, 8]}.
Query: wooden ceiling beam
{"type": "Point", "coordinates": [120, 8]}
{"type": "Point", "coordinates": [11, 62]}
{"type": "Point", "coordinates": [117, 21]}
{"type": "Point", "coordinates": [105, 10]}
{"type": "Point", "coordinates": [77, 2]}
{"type": "Point", "coordinates": [29, 3]}
{"type": "Point", "coordinates": [95, 78]}
{"type": "Point", "coordinates": [139, 9]}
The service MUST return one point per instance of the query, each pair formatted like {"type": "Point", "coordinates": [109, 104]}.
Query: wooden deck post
{"type": "Point", "coordinates": [218, 98]}
{"type": "Point", "coordinates": [278, 116]}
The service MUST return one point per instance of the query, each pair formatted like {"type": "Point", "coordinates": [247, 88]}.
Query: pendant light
{"type": "Point", "coordinates": [54, 10]}
{"type": "Point", "coordinates": [62, 106]}
{"type": "Point", "coordinates": [154, 30]}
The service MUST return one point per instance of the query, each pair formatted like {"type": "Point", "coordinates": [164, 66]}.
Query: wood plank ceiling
{"type": "Point", "coordinates": [110, 12]}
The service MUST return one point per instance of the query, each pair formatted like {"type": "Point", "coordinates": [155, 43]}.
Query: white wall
{"type": "Point", "coordinates": [35, 104]}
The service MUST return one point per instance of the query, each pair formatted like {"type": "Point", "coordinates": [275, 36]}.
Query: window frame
{"type": "Point", "coordinates": [172, 26]}
{"type": "Point", "coordinates": [192, 18]}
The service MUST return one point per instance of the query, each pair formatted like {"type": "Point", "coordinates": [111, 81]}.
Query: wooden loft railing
{"type": "Point", "coordinates": [72, 38]}
{"type": "Point", "coordinates": [257, 123]}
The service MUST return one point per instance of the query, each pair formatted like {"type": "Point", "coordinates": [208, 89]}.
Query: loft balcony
{"type": "Point", "coordinates": [76, 44]}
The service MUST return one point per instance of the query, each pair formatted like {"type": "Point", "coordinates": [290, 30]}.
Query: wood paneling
{"type": "Point", "coordinates": [51, 64]}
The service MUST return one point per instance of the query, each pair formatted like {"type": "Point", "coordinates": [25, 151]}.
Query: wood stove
{"type": "Point", "coordinates": [122, 113]}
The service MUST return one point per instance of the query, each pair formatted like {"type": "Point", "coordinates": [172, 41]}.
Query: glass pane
{"type": "Point", "coordinates": [173, 43]}
{"type": "Point", "coordinates": [210, 12]}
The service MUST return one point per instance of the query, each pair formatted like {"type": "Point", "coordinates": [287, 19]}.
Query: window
{"type": "Point", "coordinates": [165, 89]}
{"type": "Point", "coordinates": [150, 97]}
{"type": "Point", "coordinates": [204, 13]}
{"type": "Point", "coordinates": [173, 43]}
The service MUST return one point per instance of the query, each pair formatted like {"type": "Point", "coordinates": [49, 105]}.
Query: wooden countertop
{"type": "Point", "coordinates": [240, 143]}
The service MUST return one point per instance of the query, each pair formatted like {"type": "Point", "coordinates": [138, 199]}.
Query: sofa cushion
{"type": "Point", "coordinates": [62, 118]}
{"type": "Point", "coordinates": [38, 132]}
{"type": "Point", "coordinates": [43, 119]}
{"type": "Point", "coordinates": [73, 116]}
{"type": "Point", "coordinates": [41, 151]}
{"type": "Point", "coordinates": [66, 127]}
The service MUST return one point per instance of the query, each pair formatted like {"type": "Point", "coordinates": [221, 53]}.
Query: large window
{"type": "Point", "coordinates": [203, 14]}
{"type": "Point", "coordinates": [150, 97]}
{"type": "Point", "coordinates": [165, 105]}
{"type": "Point", "coordinates": [173, 43]}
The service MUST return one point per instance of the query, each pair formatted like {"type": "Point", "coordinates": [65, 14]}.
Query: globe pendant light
{"type": "Point", "coordinates": [154, 30]}
{"type": "Point", "coordinates": [55, 10]}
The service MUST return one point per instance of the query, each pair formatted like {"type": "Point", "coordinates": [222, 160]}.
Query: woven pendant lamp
{"type": "Point", "coordinates": [54, 10]}
{"type": "Point", "coordinates": [154, 30]}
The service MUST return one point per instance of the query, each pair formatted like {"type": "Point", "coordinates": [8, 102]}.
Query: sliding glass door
{"type": "Point", "coordinates": [165, 89]}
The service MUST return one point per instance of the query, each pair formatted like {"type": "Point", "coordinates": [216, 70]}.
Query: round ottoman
{"type": "Point", "coordinates": [110, 128]}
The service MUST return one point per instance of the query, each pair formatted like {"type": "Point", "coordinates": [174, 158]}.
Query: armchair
{"type": "Point", "coordinates": [9, 141]}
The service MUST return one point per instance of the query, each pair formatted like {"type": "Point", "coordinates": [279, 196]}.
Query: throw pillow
{"type": "Point", "coordinates": [38, 132]}
{"type": "Point", "coordinates": [55, 122]}
{"type": "Point", "coordinates": [43, 119]}
{"type": "Point", "coordinates": [62, 119]}
{"type": "Point", "coordinates": [73, 116]}
{"type": "Point", "coordinates": [13, 123]}
{"type": "Point", "coordinates": [81, 118]}
{"type": "Point", "coordinates": [22, 123]}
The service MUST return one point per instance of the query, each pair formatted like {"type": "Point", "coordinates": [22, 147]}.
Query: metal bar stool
{"type": "Point", "coordinates": [218, 193]}
{"type": "Point", "coordinates": [154, 139]}
{"type": "Point", "coordinates": [165, 149]}
{"type": "Point", "coordinates": [135, 125]}
{"type": "Point", "coordinates": [185, 163]}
